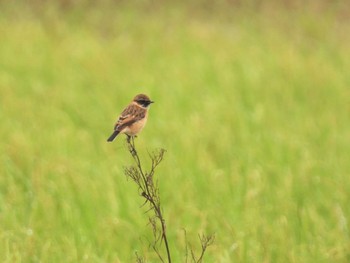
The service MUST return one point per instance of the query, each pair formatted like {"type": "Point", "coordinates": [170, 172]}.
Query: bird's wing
{"type": "Point", "coordinates": [130, 114]}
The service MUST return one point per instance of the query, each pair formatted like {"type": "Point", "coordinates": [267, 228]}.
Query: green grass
{"type": "Point", "coordinates": [252, 106]}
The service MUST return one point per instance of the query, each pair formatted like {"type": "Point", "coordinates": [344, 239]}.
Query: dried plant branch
{"type": "Point", "coordinates": [150, 191]}
{"type": "Point", "coordinates": [206, 241]}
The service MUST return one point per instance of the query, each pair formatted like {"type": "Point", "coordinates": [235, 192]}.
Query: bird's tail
{"type": "Point", "coordinates": [111, 138]}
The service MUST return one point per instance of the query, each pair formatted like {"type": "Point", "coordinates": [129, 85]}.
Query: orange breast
{"type": "Point", "coordinates": [135, 128]}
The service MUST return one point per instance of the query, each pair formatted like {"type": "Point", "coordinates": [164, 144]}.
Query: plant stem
{"type": "Point", "coordinates": [150, 192]}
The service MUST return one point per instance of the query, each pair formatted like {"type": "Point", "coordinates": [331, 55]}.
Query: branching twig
{"type": "Point", "coordinates": [206, 241]}
{"type": "Point", "coordinates": [150, 191]}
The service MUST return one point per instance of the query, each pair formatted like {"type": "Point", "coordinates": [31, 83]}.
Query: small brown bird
{"type": "Point", "coordinates": [133, 118]}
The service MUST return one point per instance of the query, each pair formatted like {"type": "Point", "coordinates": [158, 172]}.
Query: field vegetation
{"type": "Point", "coordinates": [252, 106]}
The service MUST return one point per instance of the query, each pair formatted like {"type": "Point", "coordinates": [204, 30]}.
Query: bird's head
{"type": "Point", "coordinates": [143, 100]}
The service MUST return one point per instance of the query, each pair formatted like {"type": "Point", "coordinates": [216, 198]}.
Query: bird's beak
{"type": "Point", "coordinates": [152, 101]}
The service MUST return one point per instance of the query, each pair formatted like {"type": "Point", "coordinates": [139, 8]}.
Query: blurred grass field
{"type": "Point", "coordinates": [252, 106]}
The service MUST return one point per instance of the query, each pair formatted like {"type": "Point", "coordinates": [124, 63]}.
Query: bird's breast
{"type": "Point", "coordinates": [136, 127]}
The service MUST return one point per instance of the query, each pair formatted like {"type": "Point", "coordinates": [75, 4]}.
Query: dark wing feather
{"type": "Point", "coordinates": [130, 114]}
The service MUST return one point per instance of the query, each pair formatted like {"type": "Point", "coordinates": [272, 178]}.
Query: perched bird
{"type": "Point", "coordinates": [133, 118]}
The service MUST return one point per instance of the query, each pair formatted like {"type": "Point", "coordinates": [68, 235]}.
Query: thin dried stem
{"type": "Point", "coordinates": [206, 241]}
{"type": "Point", "coordinates": [150, 191]}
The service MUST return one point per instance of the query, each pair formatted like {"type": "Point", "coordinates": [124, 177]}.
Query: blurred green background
{"type": "Point", "coordinates": [252, 106]}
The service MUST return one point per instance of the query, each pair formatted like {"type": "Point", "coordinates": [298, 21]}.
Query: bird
{"type": "Point", "coordinates": [133, 118]}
